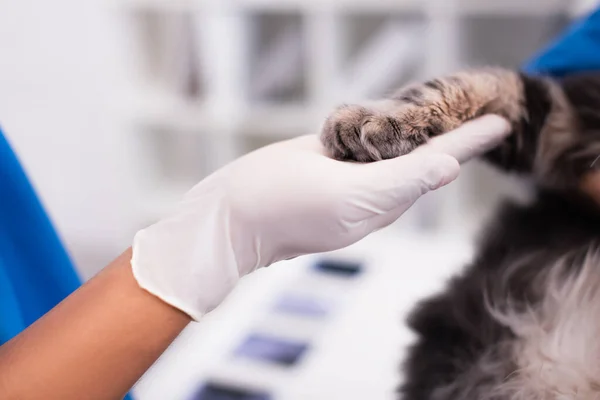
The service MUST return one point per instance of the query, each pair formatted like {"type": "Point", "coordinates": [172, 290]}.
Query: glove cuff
{"type": "Point", "coordinates": [187, 259]}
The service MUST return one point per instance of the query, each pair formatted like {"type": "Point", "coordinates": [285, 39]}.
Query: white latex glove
{"type": "Point", "coordinates": [286, 200]}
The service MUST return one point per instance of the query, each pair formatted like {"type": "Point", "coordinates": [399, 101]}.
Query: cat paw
{"type": "Point", "coordinates": [371, 133]}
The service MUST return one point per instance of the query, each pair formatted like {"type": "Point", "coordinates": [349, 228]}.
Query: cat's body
{"type": "Point", "coordinates": [522, 321]}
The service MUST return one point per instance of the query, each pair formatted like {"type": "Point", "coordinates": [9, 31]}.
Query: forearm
{"type": "Point", "coordinates": [96, 344]}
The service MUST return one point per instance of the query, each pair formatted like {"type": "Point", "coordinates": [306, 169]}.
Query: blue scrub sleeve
{"type": "Point", "coordinates": [35, 265]}
{"type": "Point", "coordinates": [577, 50]}
{"type": "Point", "coordinates": [35, 271]}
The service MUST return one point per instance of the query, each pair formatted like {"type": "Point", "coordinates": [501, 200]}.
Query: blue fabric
{"type": "Point", "coordinates": [576, 50]}
{"type": "Point", "coordinates": [35, 270]}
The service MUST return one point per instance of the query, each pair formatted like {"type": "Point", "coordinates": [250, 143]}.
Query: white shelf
{"type": "Point", "coordinates": [345, 5]}
{"type": "Point", "coordinates": [153, 109]}
{"type": "Point", "coordinates": [163, 5]}
{"type": "Point", "coordinates": [276, 5]}
{"type": "Point", "coordinates": [157, 110]}
{"type": "Point", "coordinates": [512, 7]}
{"type": "Point", "coordinates": [279, 121]}
{"type": "Point", "coordinates": [465, 7]}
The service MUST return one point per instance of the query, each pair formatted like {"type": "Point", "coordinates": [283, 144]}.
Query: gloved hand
{"type": "Point", "coordinates": [283, 201]}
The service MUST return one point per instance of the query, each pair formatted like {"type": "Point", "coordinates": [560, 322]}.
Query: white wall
{"type": "Point", "coordinates": [58, 68]}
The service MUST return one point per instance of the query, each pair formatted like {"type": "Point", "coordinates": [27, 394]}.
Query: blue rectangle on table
{"type": "Point", "coordinates": [219, 391]}
{"type": "Point", "coordinates": [302, 306]}
{"type": "Point", "coordinates": [339, 268]}
{"type": "Point", "coordinates": [272, 349]}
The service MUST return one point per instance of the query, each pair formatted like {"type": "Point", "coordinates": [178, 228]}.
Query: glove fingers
{"type": "Point", "coordinates": [399, 182]}
{"type": "Point", "coordinates": [431, 170]}
{"type": "Point", "coordinates": [421, 175]}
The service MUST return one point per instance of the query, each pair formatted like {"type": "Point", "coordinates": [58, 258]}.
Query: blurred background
{"type": "Point", "coordinates": [117, 107]}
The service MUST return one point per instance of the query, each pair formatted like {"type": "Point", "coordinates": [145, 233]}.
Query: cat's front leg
{"type": "Point", "coordinates": [395, 126]}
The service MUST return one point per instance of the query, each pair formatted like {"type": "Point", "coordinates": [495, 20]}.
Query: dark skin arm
{"type": "Point", "coordinates": [96, 343]}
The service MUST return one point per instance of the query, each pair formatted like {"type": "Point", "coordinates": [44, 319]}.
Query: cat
{"type": "Point", "coordinates": [522, 321]}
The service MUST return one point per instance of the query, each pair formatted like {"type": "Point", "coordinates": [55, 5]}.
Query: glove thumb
{"type": "Point", "coordinates": [432, 171]}
{"type": "Point", "coordinates": [411, 177]}
{"type": "Point", "coordinates": [397, 183]}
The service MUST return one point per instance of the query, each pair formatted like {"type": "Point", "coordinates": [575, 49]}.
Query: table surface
{"type": "Point", "coordinates": [354, 353]}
